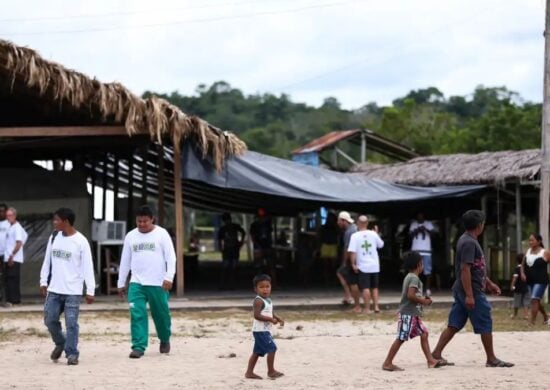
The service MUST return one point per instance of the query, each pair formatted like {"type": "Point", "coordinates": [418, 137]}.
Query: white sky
{"type": "Point", "coordinates": [357, 51]}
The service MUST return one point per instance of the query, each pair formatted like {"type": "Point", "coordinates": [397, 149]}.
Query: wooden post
{"type": "Point", "coordinates": [116, 185]}
{"type": "Point", "coordinates": [518, 218]}
{"type": "Point", "coordinates": [363, 147]}
{"type": "Point", "coordinates": [544, 196]}
{"type": "Point", "coordinates": [178, 208]}
{"type": "Point", "coordinates": [104, 185]}
{"type": "Point", "coordinates": [130, 204]}
{"type": "Point", "coordinates": [92, 178]}
{"type": "Point", "coordinates": [144, 152]}
{"type": "Point", "coordinates": [160, 151]}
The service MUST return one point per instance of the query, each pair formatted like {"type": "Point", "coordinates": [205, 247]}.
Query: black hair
{"type": "Point", "coordinates": [261, 278]}
{"type": "Point", "coordinates": [411, 260]}
{"type": "Point", "coordinates": [472, 219]}
{"type": "Point", "coordinates": [66, 214]}
{"type": "Point", "coordinates": [144, 211]}
{"type": "Point", "coordinates": [4, 206]}
{"type": "Point", "coordinates": [538, 237]}
{"type": "Point", "coordinates": [519, 258]}
{"type": "Point", "coordinates": [226, 217]}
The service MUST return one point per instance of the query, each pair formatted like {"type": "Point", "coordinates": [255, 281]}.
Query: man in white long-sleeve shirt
{"type": "Point", "coordinates": [67, 266]}
{"type": "Point", "coordinates": [149, 253]}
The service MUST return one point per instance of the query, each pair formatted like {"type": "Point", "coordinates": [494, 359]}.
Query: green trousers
{"type": "Point", "coordinates": [138, 296]}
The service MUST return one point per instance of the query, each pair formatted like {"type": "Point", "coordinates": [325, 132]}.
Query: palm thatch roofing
{"type": "Point", "coordinates": [482, 168]}
{"type": "Point", "coordinates": [37, 92]}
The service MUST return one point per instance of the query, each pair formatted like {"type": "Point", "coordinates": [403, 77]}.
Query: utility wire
{"type": "Point", "coordinates": [180, 22]}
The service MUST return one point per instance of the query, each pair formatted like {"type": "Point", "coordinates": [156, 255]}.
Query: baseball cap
{"type": "Point", "coordinates": [345, 216]}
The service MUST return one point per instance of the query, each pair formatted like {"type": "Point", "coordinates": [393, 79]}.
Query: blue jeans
{"type": "Point", "coordinates": [54, 306]}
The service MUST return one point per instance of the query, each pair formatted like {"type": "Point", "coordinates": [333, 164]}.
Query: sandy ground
{"type": "Point", "coordinates": [212, 353]}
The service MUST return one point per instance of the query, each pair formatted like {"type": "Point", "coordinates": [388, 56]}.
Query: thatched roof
{"type": "Point", "coordinates": [25, 71]}
{"type": "Point", "coordinates": [482, 168]}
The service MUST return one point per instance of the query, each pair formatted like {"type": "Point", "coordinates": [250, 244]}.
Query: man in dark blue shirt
{"type": "Point", "coordinates": [469, 292]}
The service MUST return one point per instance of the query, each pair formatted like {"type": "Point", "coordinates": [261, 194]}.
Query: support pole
{"type": "Point", "coordinates": [104, 185]}
{"type": "Point", "coordinates": [92, 178]}
{"type": "Point", "coordinates": [544, 197]}
{"type": "Point", "coordinates": [130, 205]}
{"type": "Point", "coordinates": [178, 208]}
{"type": "Point", "coordinates": [116, 186]}
{"type": "Point", "coordinates": [518, 218]}
{"type": "Point", "coordinates": [363, 147]}
{"type": "Point", "coordinates": [144, 153]}
{"type": "Point", "coordinates": [160, 151]}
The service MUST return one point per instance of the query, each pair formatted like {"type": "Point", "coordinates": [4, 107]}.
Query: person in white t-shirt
{"type": "Point", "coordinates": [67, 266]}
{"type": "Point", "coordinates": [363, 249]}
{"type": "Point", "coordinates": [149, 253]}
{"type": "Point", "coordinates": [421, 231]}
{"type": "Point", "coordinates": [4, 225]}
{"type": "Point", "coordinates": [13, 257]}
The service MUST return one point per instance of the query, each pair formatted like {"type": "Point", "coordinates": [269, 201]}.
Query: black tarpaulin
{"type": "Point", "coordinates": [284, 187]}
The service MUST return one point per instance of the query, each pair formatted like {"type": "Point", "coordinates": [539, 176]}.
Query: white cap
{"type": "Point", "coordinates": [345, 216]}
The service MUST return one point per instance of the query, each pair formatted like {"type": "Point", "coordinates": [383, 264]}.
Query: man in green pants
{"type": "Point", "coordinates": [149, 253]}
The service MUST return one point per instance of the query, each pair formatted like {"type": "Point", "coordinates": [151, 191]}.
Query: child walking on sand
{"type": "Point", "coordinates": [409, 324]}
{"type": "Point", "coordinates": [264, 318]}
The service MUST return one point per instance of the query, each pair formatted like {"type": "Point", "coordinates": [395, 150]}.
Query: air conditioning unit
{"type": "Point", "coordinates": [108, 231]}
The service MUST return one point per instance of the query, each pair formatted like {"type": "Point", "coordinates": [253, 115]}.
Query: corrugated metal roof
{"type": "Point", "coordinates": [375, 143]}
{"type": "Point", "coordinates": [326, 141]}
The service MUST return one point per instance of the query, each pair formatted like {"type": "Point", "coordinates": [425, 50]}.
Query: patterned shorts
{"type": "Point", "coordinates": [409, 326]}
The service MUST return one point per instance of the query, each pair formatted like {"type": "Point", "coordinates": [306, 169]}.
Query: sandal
{"type": "Point", "coordinates": [499, 363]}
{"type": "Point", "coordinates": [444, 362]}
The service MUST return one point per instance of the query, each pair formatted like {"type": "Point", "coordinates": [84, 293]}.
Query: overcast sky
{"type": "Point", "coordinates": [357, 51]}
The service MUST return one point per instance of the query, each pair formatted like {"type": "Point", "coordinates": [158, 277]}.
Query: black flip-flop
{"type": "Point", "coordinates": [499, 363]}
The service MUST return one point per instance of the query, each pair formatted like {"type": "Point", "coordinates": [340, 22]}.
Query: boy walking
{"type": "Point", "coordinates": [409, 324]}
{"type": "Point", "coordinates": [264, 318]}
{"type": "Point", "coordinates": [149, 253]}
{"type": "Point", "coordinates": [67, 266]}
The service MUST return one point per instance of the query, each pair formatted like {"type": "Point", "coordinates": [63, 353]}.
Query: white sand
{"type": "Point", "coordinates": [324, 354]}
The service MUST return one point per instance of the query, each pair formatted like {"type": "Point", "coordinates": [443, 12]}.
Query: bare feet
{"type": "Point", "coordinates": [356, 309]}
{"type": "Point", "coordinates": [251, 375]}
{"type": "Point", "coordinates": [275, 374]}
{"type": "Point", "coordinates": [435, 363]}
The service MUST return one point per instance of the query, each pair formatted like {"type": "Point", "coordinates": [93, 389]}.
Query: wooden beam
{"type": "Point", "coordinates": [62, 131]}
{"type": "Point", "coordinates": [178, 206]}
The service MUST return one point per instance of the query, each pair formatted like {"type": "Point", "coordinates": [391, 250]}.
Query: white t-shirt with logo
{"type": "Point", "coordinates": [70, 260]}
{"type": "Point", "coordinates": [422, 242]}
{"type": "Point", "coordinates": [150, 256]}
{"type": "Point", "coordinates": [4, 225]}
{"type": "Point", "coordinates": [365, 245]}
{"type": "Point", "coordinates": [15, 233]}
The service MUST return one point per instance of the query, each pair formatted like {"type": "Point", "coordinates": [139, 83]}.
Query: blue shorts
{"type": "Point", "coordinates": [537, 290]}
{"type": "Point", "coordinates": [263, 343]}
{"type": "Point", "coordinates": [427, 263]}
{"type": "Point", "coordinates": [480, 316]}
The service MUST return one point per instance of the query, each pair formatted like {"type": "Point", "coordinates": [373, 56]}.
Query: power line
{"type": "Point", "coordinates": [123, 13]}
{"type": "Point", "coordinates": [179, 22]}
